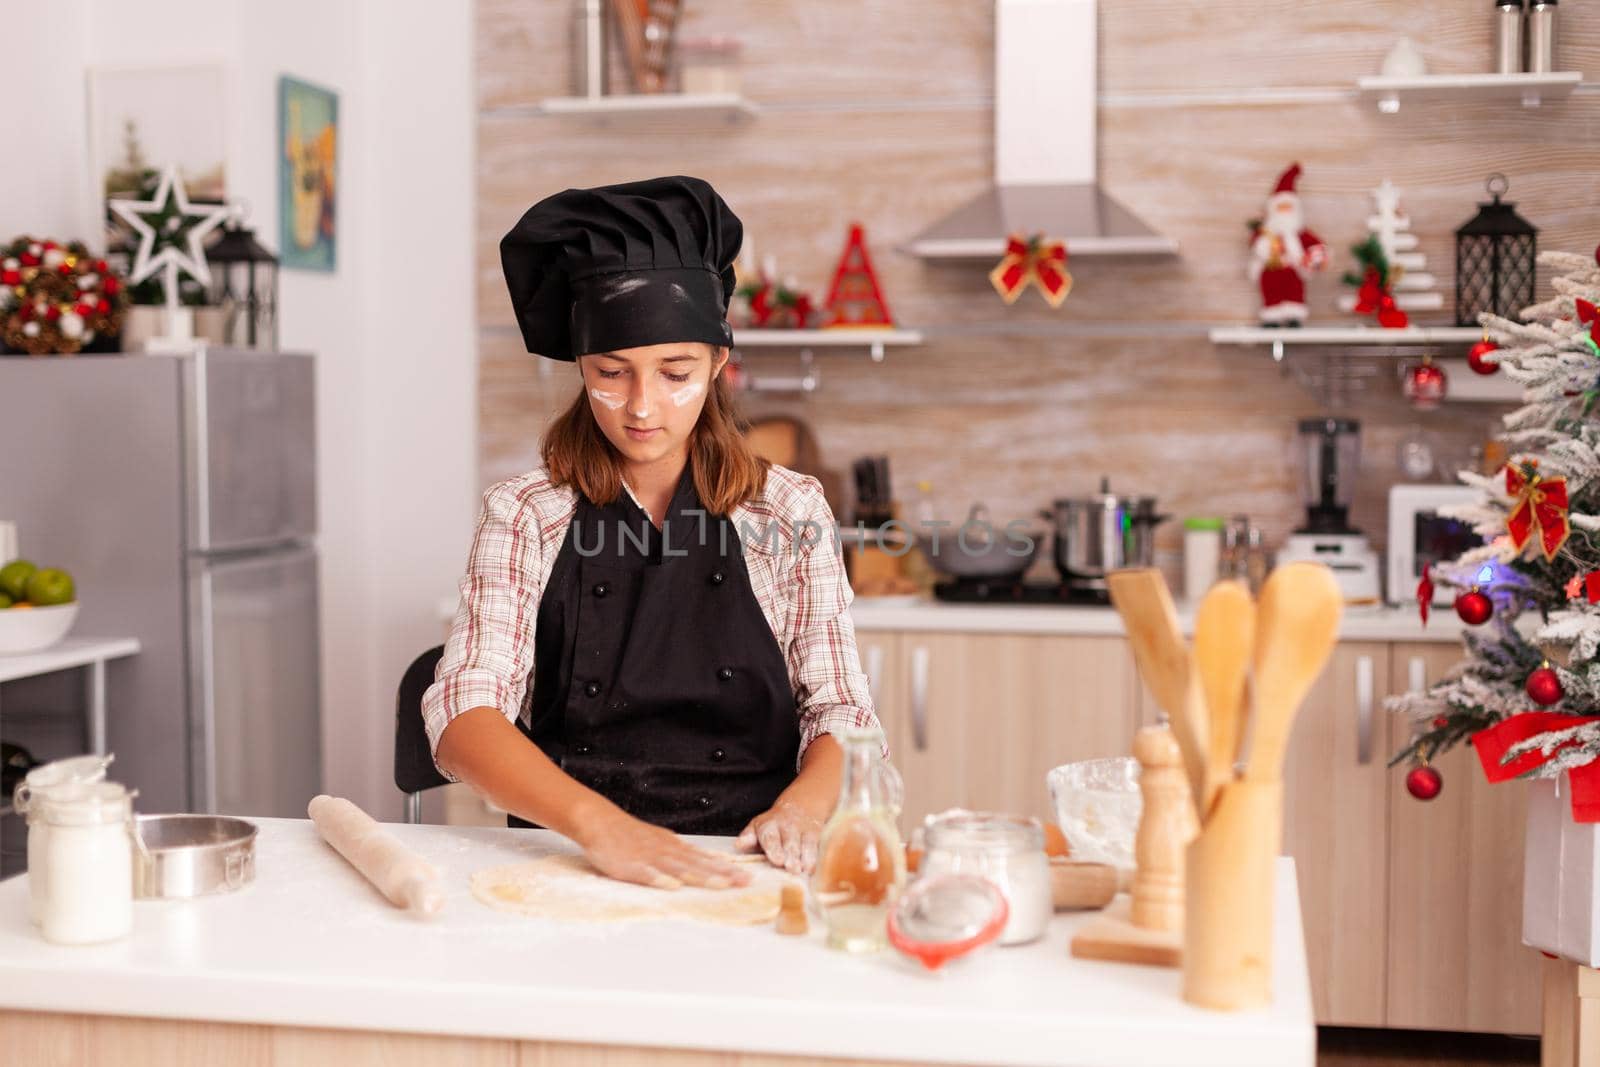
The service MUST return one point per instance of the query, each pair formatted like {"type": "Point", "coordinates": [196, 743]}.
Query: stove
{"type": "Point", "coordinates": [1017, 591]}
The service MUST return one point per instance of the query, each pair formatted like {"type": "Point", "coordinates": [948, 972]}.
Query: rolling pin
{"type": "Point", "coordinates": [408, 880]}
{"type": "Point", "coordinates": [1075, 886]}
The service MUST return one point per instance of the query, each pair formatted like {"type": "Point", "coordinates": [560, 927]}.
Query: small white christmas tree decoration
{"type": "Point", "coordinates": [1413, 287]}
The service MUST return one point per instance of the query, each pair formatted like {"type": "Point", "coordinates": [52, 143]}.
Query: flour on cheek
{"type": "Point", "coordinates": [688, 394]}
{"type": "Point", "coordinates": [612, 401]}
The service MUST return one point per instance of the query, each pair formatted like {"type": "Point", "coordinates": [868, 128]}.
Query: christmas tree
{"type": "Point", "coordinates": [1528, 694]}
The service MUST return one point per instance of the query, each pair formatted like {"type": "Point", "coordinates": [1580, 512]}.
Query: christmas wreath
{"type": "Point", "coordinates": [57, 298]}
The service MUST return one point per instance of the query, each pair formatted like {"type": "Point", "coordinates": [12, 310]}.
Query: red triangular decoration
{"type": "Point", "coordinates": [854, 298]}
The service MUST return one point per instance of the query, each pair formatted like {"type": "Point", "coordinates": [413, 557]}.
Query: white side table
{"type": "Point", "coordinates": [72, 653]}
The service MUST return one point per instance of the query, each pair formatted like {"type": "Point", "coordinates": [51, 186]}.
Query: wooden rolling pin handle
{"type": "Point", "coordinates": [1081, 885]}
{"type": "Point", "coordinates": [405, 878]}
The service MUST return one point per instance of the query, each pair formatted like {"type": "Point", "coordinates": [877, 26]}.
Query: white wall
{"type": "Point", "coordinates": [391, 327]}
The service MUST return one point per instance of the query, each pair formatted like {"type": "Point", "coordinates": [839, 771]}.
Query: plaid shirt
{"type": "Point", "coordinates": [787, 534]}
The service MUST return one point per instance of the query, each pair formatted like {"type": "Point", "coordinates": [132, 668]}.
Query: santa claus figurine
{"type": "Point", "coordinates": [1283, 253]}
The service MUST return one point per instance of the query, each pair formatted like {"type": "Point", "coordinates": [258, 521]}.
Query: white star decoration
{"type": "Point", "coordinates": [192, 262]}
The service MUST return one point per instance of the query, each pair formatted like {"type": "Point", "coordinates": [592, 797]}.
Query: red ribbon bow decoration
{"type": "Point", "coordinates": [1541, 503]}
{"type": "Point", "coordinates": [1374, 296]}
{"type": "Point", "coordinates": [1035, 260]}
{"type": "Point", "coordinates": [1589, 316]}
{"type": "Point", "coordinates": [1493, 743]}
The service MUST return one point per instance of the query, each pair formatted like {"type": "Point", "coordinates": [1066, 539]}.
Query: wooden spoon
{"type": "Point", "coordinates": [1224, 639]}
{"type": "Point", "coordinates": [1295, 633]}
{"type": "Point", "coordinates": [1140, 596]}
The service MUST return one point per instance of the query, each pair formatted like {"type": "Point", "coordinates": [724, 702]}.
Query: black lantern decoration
{"type": "Point", "coordinates": [1496, 252]}
{"type": "Point", "coordinates": [244, 284]}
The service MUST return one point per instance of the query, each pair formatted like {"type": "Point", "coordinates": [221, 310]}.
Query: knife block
{"type": "Point", "coordinates": [1227, 930]}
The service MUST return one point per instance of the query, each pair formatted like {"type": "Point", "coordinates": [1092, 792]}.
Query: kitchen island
{"type": "Point", "coordinates": [310, 965]}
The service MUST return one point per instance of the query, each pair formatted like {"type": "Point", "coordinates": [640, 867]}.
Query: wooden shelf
{"type": "Point", "coordinates": [729, 106]}
{"type": "Point", "coordinates": [874, 340]}
{"type": "Point", "coordinates": [1340, 336]}
{"type": "Point", "coordinates": [1532, 89]}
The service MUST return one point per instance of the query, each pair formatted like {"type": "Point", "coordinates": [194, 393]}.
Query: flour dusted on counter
{"type": "Point", "coordinates": [568, 889]}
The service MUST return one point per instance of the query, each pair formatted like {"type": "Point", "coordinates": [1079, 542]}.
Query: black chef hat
{"type": "Point", "coordinates": [642, 263]}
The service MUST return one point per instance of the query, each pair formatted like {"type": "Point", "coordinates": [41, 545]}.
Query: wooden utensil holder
{"type": "Point", "coordinates": [1230, 868]}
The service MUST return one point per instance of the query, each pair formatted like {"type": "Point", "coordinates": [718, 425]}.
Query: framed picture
{"type": "Point", "coordinates": [143, 118]}
{"type": "Point", "coordinates": [308, 168]}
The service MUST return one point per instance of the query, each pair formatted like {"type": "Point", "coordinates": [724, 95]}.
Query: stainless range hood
{"type": "Point", "coordinates": [1044, 146]}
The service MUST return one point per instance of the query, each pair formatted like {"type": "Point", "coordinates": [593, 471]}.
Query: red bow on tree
{"type": "Point", "coordinates": [1541, 503]}
{"type": "Point", "coordinates": [1374, 296]}
{"type": "Point", "coordinates": [1035, 259]}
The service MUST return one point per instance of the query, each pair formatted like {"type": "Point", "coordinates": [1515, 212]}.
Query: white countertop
{"type": "Point", "coordinates": [924, 614]}
{"type": "Point", "coordinates": [310, 944]}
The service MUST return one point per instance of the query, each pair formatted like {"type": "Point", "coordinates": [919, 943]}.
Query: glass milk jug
{"type": "Point", "coordinates": [861, 863]}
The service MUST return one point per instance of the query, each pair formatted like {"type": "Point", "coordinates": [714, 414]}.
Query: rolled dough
{"type": "Point", "coordinates": [568, 889]}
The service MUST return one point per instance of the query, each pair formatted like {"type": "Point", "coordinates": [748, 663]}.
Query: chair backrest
{"type": "Point", "coordinates": [413, 758]}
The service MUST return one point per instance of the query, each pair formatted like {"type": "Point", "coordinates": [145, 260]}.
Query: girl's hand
{"type": "Point", "coordinates": [787, 833]}
{"type": "Point", "coordinates": [631, 850]}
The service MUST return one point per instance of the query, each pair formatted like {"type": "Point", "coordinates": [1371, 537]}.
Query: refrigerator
{"type": "Point", "coordinates": [180, 493]}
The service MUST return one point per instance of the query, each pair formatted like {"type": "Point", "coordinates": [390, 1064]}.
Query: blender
{"type": "Point", "coordinates": [1332, 449]}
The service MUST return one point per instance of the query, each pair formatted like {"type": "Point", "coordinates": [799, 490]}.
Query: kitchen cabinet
{"type": "Point", "coordinates": [978, 720]}
{"type": "Point", "coordinates": [1456, 958]}
{"type": "Point", "coordinates": [1335, 827]}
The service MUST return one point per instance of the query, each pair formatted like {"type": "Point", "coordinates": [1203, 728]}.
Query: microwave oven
{"type": "Point", "coordinates": [1419, 535]}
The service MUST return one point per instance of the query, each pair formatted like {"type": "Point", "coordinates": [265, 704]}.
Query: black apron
{"type": "Point", "coordinates": [657, 680]}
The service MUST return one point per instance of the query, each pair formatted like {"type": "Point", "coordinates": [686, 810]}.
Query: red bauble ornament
{"type": "Point", "coordinates": [103, 306]}
{"type": "Point", "coordinates": [1478, 357]}
{"type": "Point", "coordinates": [1424, 386]}
{"type": "Point", "coordinates": [100, 266]}
{"type": "Point", "coordinates": [1440, 722]}
{"type": "Point", "coordinates": [1544, 687]}
{"type": "Point", "coordinates": [52, 313]}
{"type": "Point", "coordinates": [65, 269]}
{"type": "Point", "coordinates": [1474, 607]}
{"type": "Point", "coordinates": [1424, 782]}
{"type": "Point", "coordinates": [111, 286]}
{"type": "Point", "coordinates": [29, 259]}
{"type": "Point", "coordinates": [84, 310]}
{"type": "Point", "coordinates": [11, 277]}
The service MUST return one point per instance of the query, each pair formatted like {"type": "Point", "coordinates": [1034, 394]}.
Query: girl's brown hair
{"type": "Point", "coordinates": [726, 472]}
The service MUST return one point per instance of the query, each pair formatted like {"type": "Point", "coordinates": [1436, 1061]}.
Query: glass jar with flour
{"type": "Point", "coordinates": [82, 837]}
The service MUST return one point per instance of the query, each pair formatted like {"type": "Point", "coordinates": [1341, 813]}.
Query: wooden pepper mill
{"type": "Point", "coordinates": [1148, 928]}
{"type": "Point", "coordinates": [1166, 827]}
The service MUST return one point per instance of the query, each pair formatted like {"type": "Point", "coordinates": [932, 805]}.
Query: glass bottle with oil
{"type": "Point", "coordinates": [861, 863]}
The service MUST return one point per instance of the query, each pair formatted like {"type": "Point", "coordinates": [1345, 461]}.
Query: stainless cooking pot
{"type": "Point", "coordinates": [978, 548]}
{"type": "Point", "coordinates": [1097, 534]}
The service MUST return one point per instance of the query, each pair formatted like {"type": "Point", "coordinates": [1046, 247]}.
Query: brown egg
{"type": "Point", "coordinates": [1055, 842]}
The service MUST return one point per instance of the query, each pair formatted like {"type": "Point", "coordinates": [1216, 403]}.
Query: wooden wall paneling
{"type": "Point", "coordinates": [362, 1048]}
{"type": "Point", "coordinates": [43, 1040]}
{"type": "Point", "coordinates": [884, 116]}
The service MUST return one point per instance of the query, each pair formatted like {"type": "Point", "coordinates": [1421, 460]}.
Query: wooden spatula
{"type": "Point", "coordinates": [1296, 626]}
{"type": "Point", "coordinates": [1224, 640]}
{"type": "Point", "coordinates": [1140, 596]}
